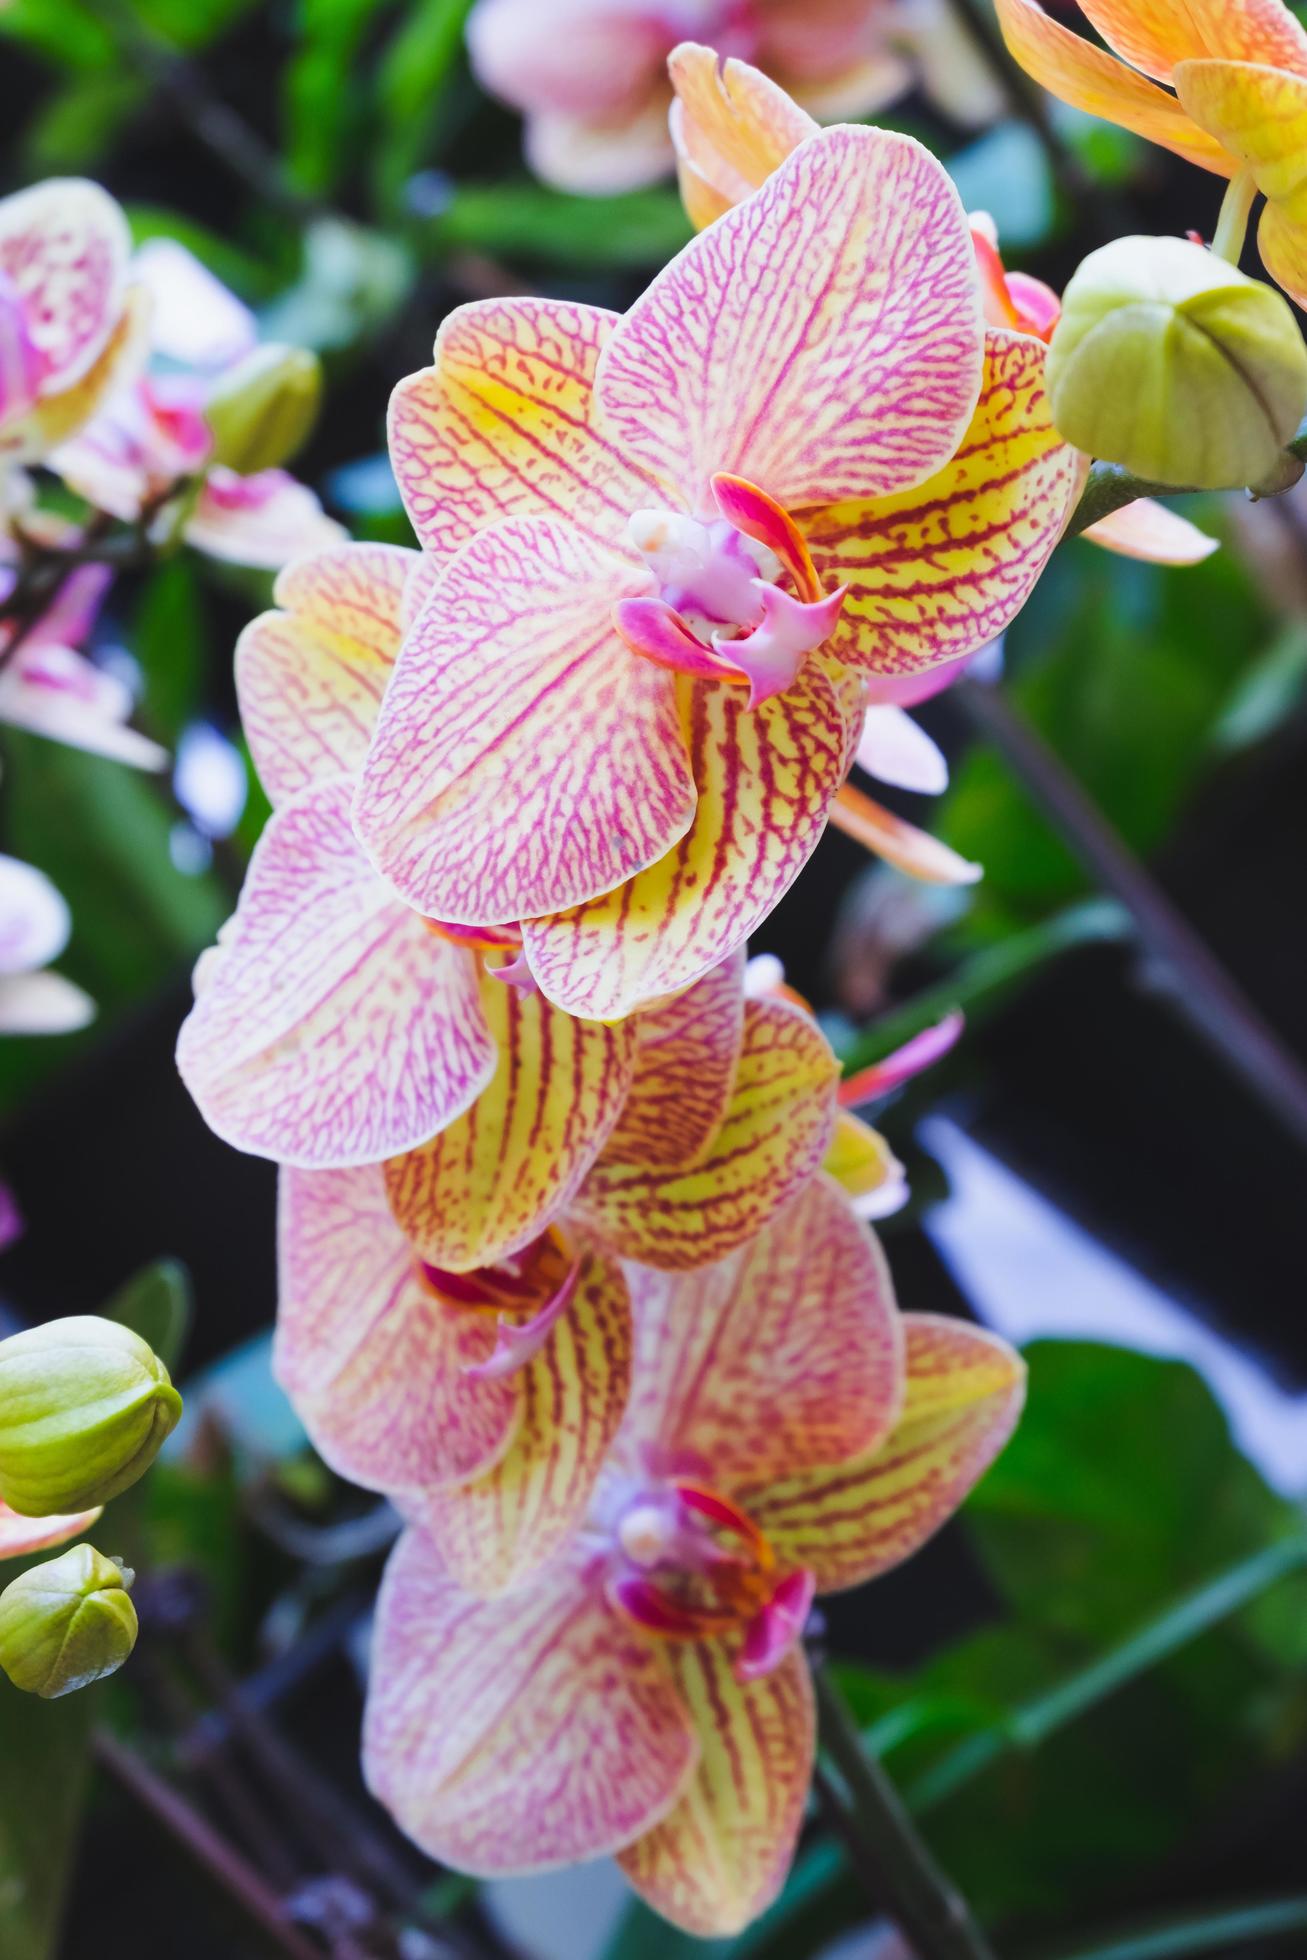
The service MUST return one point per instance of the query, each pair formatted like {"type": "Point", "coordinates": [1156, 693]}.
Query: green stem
{"type": "Point", "coordinates": [1206, 1932]}
{"type": "Point", "coordinates": [896, 1864]}
{"type": "Point", "coordinates": [1232, 224]}
{"type": "Point", "coordinates": [1111, 487]}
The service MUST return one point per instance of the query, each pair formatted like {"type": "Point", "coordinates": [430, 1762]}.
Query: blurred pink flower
{"type": "Point", "coordinates": [34, 929]}
{"type": "Point", "coordinates": [20, 1536]}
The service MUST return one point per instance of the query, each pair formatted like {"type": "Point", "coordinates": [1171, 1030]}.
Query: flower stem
{"type": "Point", "coordinates": [896, 1864]}
{"type": "Point", "coordinates": [1232, 224]}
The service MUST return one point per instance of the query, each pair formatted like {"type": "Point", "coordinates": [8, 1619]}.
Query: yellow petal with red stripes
{"type": "Point", "coordinates": [686, 1052]}
{"type": "Point", "coordinates": [720, 1857]}
{"type": "Point", "coordinates": [935, 573]}
{"type": "Point", "coordinates": [486, 1185]}
{"type": "Point", "coordinates": [495, 1531]}
{"type": "Point", "coordinates": [777, 1126]}
{"type": "Point", "coordinates": [1088, 78]}
{"type": "Point", "coordinates": [859, 1159]}
{"type": "Point", "coordinates": [965, 1388]}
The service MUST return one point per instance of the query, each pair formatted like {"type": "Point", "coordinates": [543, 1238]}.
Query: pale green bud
{"type": "Point", "coordinates": [261, 410]}
{"type": "Point", "coordinates": [66, 1623]}
{"type": "Point", "coordinates": [85, 1405]}
{"type": "Point", "coordinates": [1175, 364]}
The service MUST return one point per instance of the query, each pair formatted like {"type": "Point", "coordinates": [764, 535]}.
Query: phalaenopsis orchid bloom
{"type": "Point", "coordinates": [590, 75]}
{"type": "Point", "coordinates": [68, 322]}
{"type": "Point", "coordinates": [675, 544]}
{"type": "Point", "coordinates": [645, 1694]}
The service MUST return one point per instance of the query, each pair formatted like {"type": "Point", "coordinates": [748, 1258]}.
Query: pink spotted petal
{"type": "Point", "coordinates": [923, 1051]}
{"type": "Point", "coordinates": [330, 1027]}
{"type": "Point", "coordinates": [517, 1734]}
{"type": "Point", "coordinates": [788, 1354]}
{"type": "Point", "coordinates": [64, 247]}
{"type": "Point", "coordinates": [375, 1362]}
{"type": "Point", "coordinates": [495, 1531]}
{"type": "Point", "coordinates": [310, 676]}
{"type": "Point", "coordinates": [721, 1856]}
{"type": "Point", "coordinates": [20, 1536]}
{"type": "Point", "coordinates": [524, 760]}
{"type": "Point", "coordinates": [772, 1633]}
{"type": "Point", "coordinates": [822, 340]}
{"type": "Point", "coordinates": [263, 520]}
{"type": "Point", "coordinates": [500, 426]}
{"type": "Point", "coordinates": [20, 364]}
{"type": "Point", "coordinates": [686, 1056]}
{"type": "Point", "coordinates": [766, 779]}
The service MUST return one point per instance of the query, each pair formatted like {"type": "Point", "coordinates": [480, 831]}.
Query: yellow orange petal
{"type": "Point", "coordinates": [1148, 530]}
{"type": "Point", "coordinates": [488, 1184]}
{"type": "Point", "coordinates": [859, 1159]}
{"type": "Point", "coordinates": [1150, 34]}
{"type": "Point", "coordinates": [1259, 116]}
{"type": "Point", "coordinates": [497, 1530]}
{"type": "Point", "coordinates": [965, 1388]}
{"type": "Point", "coordinates": [777, 1126]}
{"type": "Point", "coordinates": [1282, 242]}
{"type": "Point", "coordinates": [1075, 70]}
{"type": "Point", "coordinates": [731, 126]}
{"type": "Point", "coordinates": [1248, 30]}
{"type": "Point", "coordinates": [721, 1855]}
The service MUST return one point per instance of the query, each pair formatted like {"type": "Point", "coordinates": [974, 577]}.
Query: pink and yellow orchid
{"type": "Point", "coordinates": [645, 1694]}
{"type": "Point", "coordinates": [68, 323]}
{"type": "Point", "coordinates": [1239, 72]}
{"type": "Point", "coordinates": [671, 549]}
{"type": "Point", "coordinates": [590, 75]}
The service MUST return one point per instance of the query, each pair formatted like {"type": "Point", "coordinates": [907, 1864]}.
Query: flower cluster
{"type": "Point", "coordinates": [574, 1255]}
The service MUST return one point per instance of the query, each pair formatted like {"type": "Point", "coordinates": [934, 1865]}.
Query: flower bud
{"type": "Point", "coordinates": [1176, 365]}
{"type": "Point", "coordinates": [66, 1623]}
{"type": "Point", "coordinates": [85, 1405]}
{"type": "Point", "coordinates": [262, 409]}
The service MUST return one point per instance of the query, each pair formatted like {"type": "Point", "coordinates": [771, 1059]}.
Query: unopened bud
{"type": "Point", "coordinates": [85, 1405]}
{"type": "Point", "coordinates": [261, 410]}
{"type": "Point", "coordinates": [1177, 365]}
{"type": "Point", "coordinates": [66, 1623]}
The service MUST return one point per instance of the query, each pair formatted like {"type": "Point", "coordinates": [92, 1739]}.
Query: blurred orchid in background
{"type": "Point", "coordinates": [34, 929]}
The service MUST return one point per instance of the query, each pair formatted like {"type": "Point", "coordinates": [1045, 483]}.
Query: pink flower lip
{"type": "Point", "coordinates": [517, 1342]}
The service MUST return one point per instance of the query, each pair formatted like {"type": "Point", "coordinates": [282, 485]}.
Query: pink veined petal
{"type": "Point", "coordinates": [686, 1055]}
{"type": "Point", "coordinates": [64, 246]}
{"type": "Point", "coordinates": [496, 1530]}
{"type": "Point", "coordinates": [500, 426]}
{"type": "Point", "coordinates": [263, 520]}
{"type": "Point", "coordinates": [524, 760]}
{"type": "Point", "coordinates": [57, 692]}
{"type": "Point", "coordinates": [20, 1536]}
{"type": "Point", "coordinates": [519, 1341]}
{"type": "Point", "coordinates": [765, 779]}
{"type": "Point", "coordinates": [777, 1627]}
{"type": "Point", "coordinates": [1148, 530]}
{"type": "Point", "coordinates": [787, 1354]}
{"type": "Point", "coordinates": [20, 364]}
{"type": "Point", "coordinates": [721, 1856]}
{"type": "Point", "coordinates": [517, 1734]}
{"type": "Point", "coordinates": [823, 339]}
{"type": "Point", "coordinates": [374, 1362]}
{"type": "Point", "coordinates": [922, 1051]}
{"type": "Point", "coordinates": [310, 677]}
{"type": "Point", "coordinates": [74, 609]}
{"type": "Point", "coordinates": [330, 1027]}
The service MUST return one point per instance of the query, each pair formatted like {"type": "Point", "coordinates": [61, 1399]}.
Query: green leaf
{"type": "Point", "coordinates": [172, 641]}
{"type": "Point", "coordinates": [66, 32]}
{"type": "Point", "coordinates": [82, 120]}
{"type": "Point", "coordinates": [324, 105]}
{"type": "Point", "coordinates": [44, 1777]}
{"type": "Point", "coordinates": [1265, 695]}
{"type": "Point", "coordinates": [157, 1304]}
{"type": "Point", "coordinates": [412, 85]}
{"type": "Point", "coordinates": [529, 222]}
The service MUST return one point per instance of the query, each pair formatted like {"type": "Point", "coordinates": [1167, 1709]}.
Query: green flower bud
{"type": "Point", "coordinates": [66, 1623]}
{"type": "Point", "coordinates": [262, 409]}
{"type": "Point", "coordinates": [1175, 364]}
{"type": "Point", "coordinates": [85, 1405]}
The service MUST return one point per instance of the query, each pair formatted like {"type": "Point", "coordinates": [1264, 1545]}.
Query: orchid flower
{"type": "Point", "coordinates": [20, 1536]}
{"type": "Point", "coordinates": [333, 1026]}
{"type": "Point", "coordinates": [34, 929]}
{"type": "Point", "coordinates": [1239, 72]}
{"type": "Point", "coordinates": [672, 546]}
{"type": "Point", "coordinates": [645, 1694]}
{"type": "Point", "coordinates": [590, 75]}
{"type": "Point", "coordinates": [68, 322]}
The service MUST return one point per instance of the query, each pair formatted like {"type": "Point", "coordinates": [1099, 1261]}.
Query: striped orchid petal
{"type": "Point", "coordinates": [785, 1357]}
{"type": "Point", "coordinates": [731, 127]}
{"type": "Point", "coordinates": [499, 426]}
{"type": "Point", "coordinates": [64, 247]}
{"type": "Point", "coordinates": [330, 1027]}
{"type": "Point", "coordinates": [936, 572]}
{"type": "Point", "coordinates": [20, 364]}
{"type": "Point", "coordinates": [54, 419]}
{"type": "Point", "coordinates": [765, 780]}
{"type": "Point", "coordinates": [20, 1536]}
{"type": "Point", "coordinates": [823, 339]}
{"type": "Point", "coordinates": [686, 1053]}
{"type": "Point", "coordinates": [494, 1532]}
{"type": "Point", "coordinates": [777, 1125]}
{"type": "Point", "coordinates": [1087, 77]}
{"type": "Point", "coordinates": [1148, 530]}
{"type": "Point", "coordinates": [517, 1734]}
{"type": "Point", "coordinates": [721, 1856]}
{"type": "Point", "coordinates": [861, 1162]}
{"type": "Point", "coordinates": [965, 1388]}
{"type": "Point", "coordinates": [487, 1184]}
{"type": "Point", "coordinates": [310, 676]}
{"type": "Point", "coordinates": [263, 520]}
{"type": "Point", "coordinates": [524, 760]}
{"type": "Point", "coordinates": [373, 1359]}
